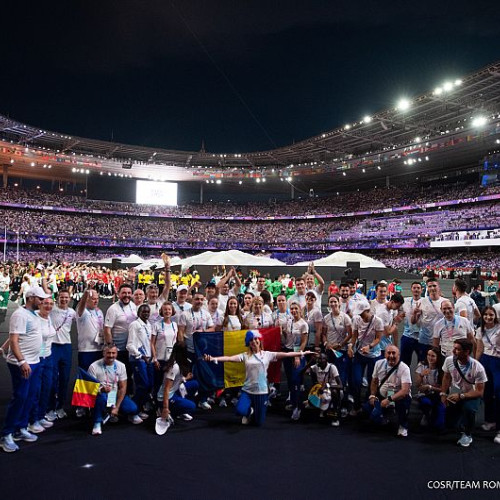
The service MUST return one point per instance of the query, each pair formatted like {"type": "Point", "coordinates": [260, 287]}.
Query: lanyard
{"type": "Point", "coordinates": [98, 318]}
{"type": "Point", "coordinates": [195, 324]}
{"type": "Point", "coordinates": [452, 327]}
{"type": "Point", "coordinates": [64, 321]}
{"type": "Point", "coordinates": [128, 317]}
{"type": "Point", "coordinates": [106, 371]}
{"type": "Point", "coordinates": [360, 340]}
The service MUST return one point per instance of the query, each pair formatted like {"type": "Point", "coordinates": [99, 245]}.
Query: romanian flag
{"type": "Point", "coordinates": [215, 376]}
{"type": "Point", "coordinates": [86, 390]}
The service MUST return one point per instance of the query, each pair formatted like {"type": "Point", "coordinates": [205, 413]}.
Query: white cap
{"type": "Point", "coordinates": [181, 288]}
{"type": "Point", "coordinates": [36, 291]}
{"type": "Point", "coordinates": [361, 306]}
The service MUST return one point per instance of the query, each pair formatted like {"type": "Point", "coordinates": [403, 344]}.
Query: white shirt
{"type": "Point", "coordinates": [27, 325]}
{"type": "Point", "coordinates": [233, 324]}
{"type": "Point", "coordinates": [293, 333]}
{"type": "Point", "coordinates": [175, 375]}
{"type": "Point", "coordinates": [491, 340]}
{"type": "Point", "coordinates": [194, 321]}
{"type": "Point", "coordinates": [256, 367]}
{"type": "Point", "coordinates": [449, 331]}
{"type": "Point", "coordinates": [139, 339]}
{"type": "Point", "coordinates": [328, 375]}
{"type": "Point", "coordinates": [179, 309]}
{"type": "Point", "coordinates": [263, 320]}
{"type": "Point", "coordinates": [394, 383]}
{"type": "Point", "coordinates": [62, 320]}
{"type": "Point", "coordinates": [367, 333]}
{"type": "Point", "coordinates": [90, 330]}
{"type": "Point", "coordinates": [118, 318]}
{"type": "Point", "coordinates": [410, 330]}
{"type": "Point", "coordinates": [155, 309]}
{"type": "Point", "coordinates": [465, 303]}
{"type": "Point", "coordinates": [336, 328]}
{"type": "Point", "coordinates": [48, 335]}
{"type": "Point", "coordinates": [300, 299]}
{"type": "Point", "coordinates": [431, 313]}
{"type": "Point", "coordinates": [166, 337]}
{"type": "Point", "coordinates": [108, 376]}
{"type": "Point", "coordinates": [473, 371]}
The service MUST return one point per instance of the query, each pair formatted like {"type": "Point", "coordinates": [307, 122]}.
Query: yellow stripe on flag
{"type": "Point", "coordinates": [234, 343]}
{"type": "Point", "coordinates": [86, 387]}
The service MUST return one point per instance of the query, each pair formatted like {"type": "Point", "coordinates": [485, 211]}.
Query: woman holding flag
{"type": "Point", "coordinates": [254, 393]}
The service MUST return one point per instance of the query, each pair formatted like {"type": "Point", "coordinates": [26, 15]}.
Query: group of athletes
{"type": "Point", "coordinates": [142, 354]}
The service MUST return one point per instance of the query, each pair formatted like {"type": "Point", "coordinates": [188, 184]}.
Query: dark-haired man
{"type": "Point", "coordinates": [463, 388]}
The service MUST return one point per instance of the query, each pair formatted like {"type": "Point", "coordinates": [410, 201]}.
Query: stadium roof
{"type": "Point", "coordinates": [452, 126]}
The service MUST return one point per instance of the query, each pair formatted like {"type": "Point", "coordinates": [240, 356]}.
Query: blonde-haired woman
{"type": "Point", "coordinates": [254, 393]}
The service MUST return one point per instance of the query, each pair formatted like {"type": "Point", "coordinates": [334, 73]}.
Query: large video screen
{"type": "Point", "coordinates": [156, 193]}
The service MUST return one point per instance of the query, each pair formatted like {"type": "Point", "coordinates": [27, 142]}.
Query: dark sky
{"type": "Point", "coordinates": [242, 75]}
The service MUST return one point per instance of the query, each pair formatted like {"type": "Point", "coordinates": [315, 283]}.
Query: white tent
{"type": "Point", "coordinates": [340, 259]}
{"type": "Point", "coordinates": [131, 260]}
{"type": "Point", "coordinates": [229, 258]}
{"type": "Point", "coordinates": [158, 263]}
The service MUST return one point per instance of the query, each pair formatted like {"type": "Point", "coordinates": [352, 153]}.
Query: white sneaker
{"type": "Point", "coordinates": [246, 420]}
{"type": "Point", "coordinates": [234, 401]}
{"type": "Point", "coordinates": [210, 401]}
{"type": "Point", "coordinates": [296, 414]}
{"type": "Point", "coordinates": [222, 403]}
{"type": "Point", "coordinates": [51, 416]}
{"type": "Point", "coordinates": [402, 431]}
{"type": "Point", "coordinates": [45, 423]}
{"type": "Point", "coordinates": [321, 414]}
{"type": "Point", "coordinates": [365, 382]}
{"type": "Point", "coordinates": [489, 426]}
{"type": "Point", "coordinates": [186, 417]}
{"type": "Point", "coordinates": [143, 415]}
{"type": "Point", "coordinates": [135, 419]}
{"type": "Point", "coordinates": [343, 413]}
{"type": "Point", "coordinates": [24, 435]}
{"type": "Point", "coordinates": [97, 429]}
{"type": "Point", "coordinates": [335, 423]}
{"type": "Point", "coordinates": [61, 413]}
{"type": "Point", "coordinates": [497, 438]}
{"type": "Point", "coordinates": [7, 444]}
{"type": "Point", "coordinates": [204, 405]}
{"type": "Point", "coordinates": [36, 427]}
{"type": "Point", "coordinates": [272, 392]}
{"type": "Point", "coordinates": [465, 440]}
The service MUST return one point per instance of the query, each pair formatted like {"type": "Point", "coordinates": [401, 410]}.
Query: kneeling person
{"type": "Point", "coordinates": [112, 376]}
{"type": "Point", "coordinates": [390, 387]}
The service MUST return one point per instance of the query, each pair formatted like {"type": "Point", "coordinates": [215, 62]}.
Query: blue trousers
{"type": "Point", "coordinates": [61, 362]}
{"type": "Point", "coordinates": [85, 359]}
{"type": "Point", "coordinates": [179, 405]}
{"type": "Point", "coordinates": [402, 407]}
{"type": "Point", "coordinates": [128, 407]}
{"type": "Point", "coordinates": [423, 349]}
{"type": "Point", "coordinates": [359, 364]}
{"type": "Point", "coordinates": [43, 388]}
{"type": "Point", "coordinates": [143, 379]}
{"type": "Point", "coordinates": [409, 346]}
{"type": "Point", "coordinates": [433, 408]}
{"type": "Point", "coordinates": [256, 401]}
{"type": "Point", "coordinates": [297, 382]}
{"type": "Point", "coordinates": [23, 395]}
{"type": "Point", "coordinates": [492, 389]}
{"type": "Point", "coordinates": [344, 366]}
{"type": "Point", "coordinates": [463, 413]}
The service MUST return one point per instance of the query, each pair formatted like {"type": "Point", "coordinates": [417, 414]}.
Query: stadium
{"type": "Point", "coordinates": [405, 196]}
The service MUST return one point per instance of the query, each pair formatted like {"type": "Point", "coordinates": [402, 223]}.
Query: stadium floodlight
{"type": "Point", "coordinates": [403, 105]}
{"type": "Point", "coordinates": [417, 139]}
{"type": "Point", "coordinates": [447, 86]}
{"type": "Point", "coordinates": [458, 82]}
{"type": "Point", "coordinates": [438, 91]}
{"type": "Point", "coordinates": [347, 127]}
{"type": "Point", "coordinates": [367, 119]}
{"type": "Point", "coordinates": [479, 121]}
